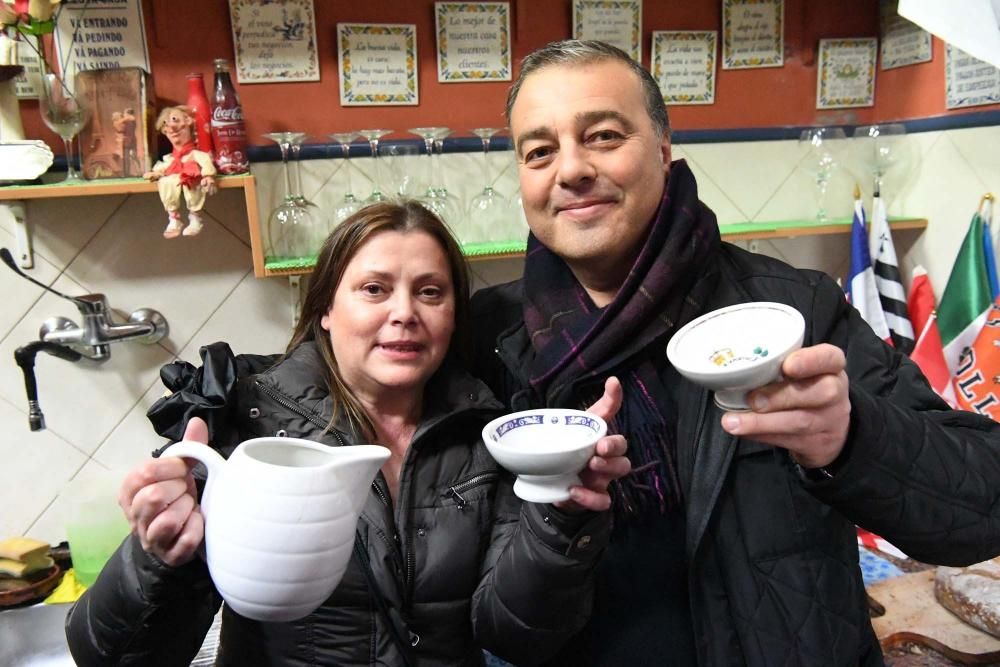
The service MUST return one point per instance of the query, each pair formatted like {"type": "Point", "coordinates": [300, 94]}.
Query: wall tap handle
{"type": "Point", "coordinates": [8, 259]}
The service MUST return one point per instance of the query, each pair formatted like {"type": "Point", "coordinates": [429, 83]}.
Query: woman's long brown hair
{"type": "Point", "coordinates": [339, 248]}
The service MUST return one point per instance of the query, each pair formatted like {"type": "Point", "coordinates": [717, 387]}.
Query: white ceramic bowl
{"type": "Point", "coordinates": [736, 349]}
{"type": "Point", "coordinates": [545, 448]}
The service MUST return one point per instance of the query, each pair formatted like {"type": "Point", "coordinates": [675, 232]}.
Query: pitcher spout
{"type": "Point", "coordinates": [359, 465]}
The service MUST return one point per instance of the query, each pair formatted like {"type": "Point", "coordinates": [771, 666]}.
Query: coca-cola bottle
{"type": "Point", "coordinates": [198, 102]}
{"type": "Point", "coordinates": [229, 133]}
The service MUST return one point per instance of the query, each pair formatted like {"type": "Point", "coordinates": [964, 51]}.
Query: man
{"type": "Point", "coordinates": [734, 540]}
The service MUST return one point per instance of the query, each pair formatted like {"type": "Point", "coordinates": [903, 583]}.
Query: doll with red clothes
{"type": "Point", "coordinates": [186, 172]}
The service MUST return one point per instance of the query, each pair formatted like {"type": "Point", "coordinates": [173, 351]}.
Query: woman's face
{"type": "Point", "coordinates": [392, 315]}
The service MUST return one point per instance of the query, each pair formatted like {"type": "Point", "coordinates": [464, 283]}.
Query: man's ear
{"type": "Point", "coordinates": [665, 150]}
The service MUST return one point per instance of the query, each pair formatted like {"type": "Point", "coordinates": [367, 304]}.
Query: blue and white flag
{"type": "Point", "coordinates": [888, 280]}
{"type": "Point", "coordinates": [862, 292]}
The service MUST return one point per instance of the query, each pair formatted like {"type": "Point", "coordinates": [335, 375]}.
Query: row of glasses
{"type": "Point", "coordinates": [295, 229]}
{"type": "Point", "coordinates": [879, 151]}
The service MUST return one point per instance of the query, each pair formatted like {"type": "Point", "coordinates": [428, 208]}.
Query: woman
{"type": "Point", "coordinates": [455, 562]}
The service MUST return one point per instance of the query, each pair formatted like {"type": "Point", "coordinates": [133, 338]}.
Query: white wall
{"type": "Point", "coordinates": [206, 289]}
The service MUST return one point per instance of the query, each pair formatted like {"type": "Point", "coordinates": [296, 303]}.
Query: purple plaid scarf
{"type": "Point", "coordinates": [574, 340]}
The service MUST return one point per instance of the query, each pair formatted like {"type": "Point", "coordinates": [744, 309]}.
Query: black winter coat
{"type": "Point", "coordinates": [772, 557]}
{"type": "Point", "coordinates": [460, 561]}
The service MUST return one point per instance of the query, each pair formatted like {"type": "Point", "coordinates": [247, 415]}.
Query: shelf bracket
{"type": "Point", "coordinates": [22, 233]}
{"type": "Point", "coordinates": [295, 294]}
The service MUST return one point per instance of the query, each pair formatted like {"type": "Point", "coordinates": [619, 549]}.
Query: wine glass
{"type": "Point", "coordinates": [825, 147]}
{"type": "Point", "coordinates": [884, 151]}
{"type": "Point", "coordinates": [349, 204]}
{"type": "Point", "coordinates": [294, 229]}
{"type": "Point", "coordinates": [436, 198]}
{"type": "Point", "coordinates": [373, 137]}
{"type": "Point", "coordinates": [488, 210]}
{"type": "Point", "coordinates": [65, 114]}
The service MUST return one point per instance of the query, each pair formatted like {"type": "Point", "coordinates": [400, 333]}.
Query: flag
{"type": "Point", "coordinates": [888, 280]}
{"type": "Point", "coordinates": [928, 353]}
{"type": "Point", "coordinates": [861, 290]}
{"type": "Point", "coordinates": [977, 382]}
{"type": "Point", "coordinates": [966, 297]}
{"type": "Point", "coordinates": [985, 210]}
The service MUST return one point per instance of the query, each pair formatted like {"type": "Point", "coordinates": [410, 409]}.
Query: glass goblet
{"type": "Point", "coordinates": [294, 227]}
{"type": "Point", "coordinates": [488, 210]}
{"type": "Point", "coordinates": [885, 153]}
{"type": "Point", "coordinates": [348, 204]}
{"type": "Point", "coordinates": [65, 114]}
{"type": "Point", "coordinates": [825, 148]}
{"type": "Point", "coordinates": [436, 198]}
{"type": "Point", "coordinates": [373, 137]}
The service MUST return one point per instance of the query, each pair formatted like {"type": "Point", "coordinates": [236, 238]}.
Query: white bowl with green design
{"type": "Point", "coordinates": [736, 349]}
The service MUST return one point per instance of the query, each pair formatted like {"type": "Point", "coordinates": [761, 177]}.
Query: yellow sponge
{"type": "Point", "coordinates": [15, 568]}
{"type": "Point", "coordinates": [20, 556]}
{"type": "Point", "coordinates": [22, 548]}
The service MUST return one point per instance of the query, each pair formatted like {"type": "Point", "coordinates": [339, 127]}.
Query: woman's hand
{"type": "Point", "coordinates": [609, 461]}
{"type": "Point", "coordinates": [159, 499]}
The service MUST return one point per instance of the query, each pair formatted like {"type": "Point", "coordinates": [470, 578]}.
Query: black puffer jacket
{"type": "Point", "coordinates": [772, 558]}
{"type": "Point", "coordinates": [462, 564]}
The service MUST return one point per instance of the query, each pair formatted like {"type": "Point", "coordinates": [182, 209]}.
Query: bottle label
{"type": "Point", "coordinates": [224, 115]}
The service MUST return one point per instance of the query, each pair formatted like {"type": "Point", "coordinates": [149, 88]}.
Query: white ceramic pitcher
{"type": "Point", "coordinates": [280, 517]}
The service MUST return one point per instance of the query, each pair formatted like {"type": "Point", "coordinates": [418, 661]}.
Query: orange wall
{"type": "Point", "coordinates": [186, 35]}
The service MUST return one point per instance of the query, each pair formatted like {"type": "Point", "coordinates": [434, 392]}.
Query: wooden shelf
{"type": "Point", "coordinates": [743, 231]}
{"type": "Point", "coordinates": [126, 186]}
{"type": "Point", "coordinates": [110, 186]}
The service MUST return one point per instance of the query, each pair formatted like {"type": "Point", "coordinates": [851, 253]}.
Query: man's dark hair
{"type": "Point", "coordinates": [584, 52]}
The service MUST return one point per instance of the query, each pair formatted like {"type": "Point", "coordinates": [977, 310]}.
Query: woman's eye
{"type": "Point", "coordinates": [431, 292]}
{"type": "Point", "coordinates": [372, 289]}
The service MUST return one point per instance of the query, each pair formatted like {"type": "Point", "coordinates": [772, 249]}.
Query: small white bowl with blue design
{"type": "Point", "coordinates": [736, 349]}
{"type": "Point", "coordinates": [546, 448]}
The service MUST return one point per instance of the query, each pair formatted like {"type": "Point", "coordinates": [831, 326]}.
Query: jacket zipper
{"type": "Point", "coordinates": [296, 408]}
{"type": "Point", "coordinates": [456, 490]}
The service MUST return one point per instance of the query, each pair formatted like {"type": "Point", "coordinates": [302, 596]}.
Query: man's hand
{"type": "Point", "coordinates": [807, 412]}
{"type": "Point", "coordinates": [609, 461]}
{"type": "Point", "coordinates": [159, 499]}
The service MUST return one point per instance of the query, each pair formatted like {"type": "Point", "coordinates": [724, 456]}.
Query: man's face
{"type": "Point", "coordinates": [177, 128]}
{"type": "Point", "coordinates": [591, 165]}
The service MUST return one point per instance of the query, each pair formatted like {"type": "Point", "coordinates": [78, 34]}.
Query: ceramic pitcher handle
{"type": "Point", "coordinates": [195, 450]}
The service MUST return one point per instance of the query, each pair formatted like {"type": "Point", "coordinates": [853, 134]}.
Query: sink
{"type": "Point", "coordinates": [34, 636]}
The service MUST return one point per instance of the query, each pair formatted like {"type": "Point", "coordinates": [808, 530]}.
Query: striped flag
{"type": "Point", "coordinates": [966, 298]}
{"type": "Point", "coordinates": [888, 280]}
{"type": "Point", "coordinates": [861, 290]}
{"type": "Point", "coordinates": [928, 353]}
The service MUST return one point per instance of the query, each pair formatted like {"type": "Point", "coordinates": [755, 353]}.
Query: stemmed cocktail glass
{"type": "Point", "coordinates": [294, 228]}
{"type": "Point", "coordinates": [436, 198]}
{"type": "Point", "coordinates": [488, 211]}
{"type": "Point", "coordinates": [826, 147]}
{"type": "Point", "coordinates": [64, 113]}
{"type": "Point", "coordinates": [373, 137]}
{"type": "Point", "coordinates": [349, 204]}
